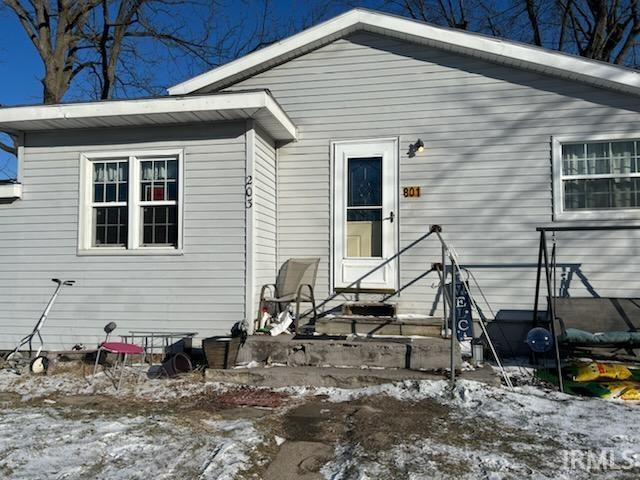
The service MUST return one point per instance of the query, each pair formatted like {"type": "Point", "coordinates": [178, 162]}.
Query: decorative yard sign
{"type": "Point", "coordinates": [411, 192]}
{"type": "Point", "coordinates": [464, 320]}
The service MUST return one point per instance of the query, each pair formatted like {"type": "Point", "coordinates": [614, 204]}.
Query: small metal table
{"type": "Point", "coordinates": [152, 339]}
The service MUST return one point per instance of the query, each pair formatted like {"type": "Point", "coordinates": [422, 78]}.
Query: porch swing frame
{"type": "Point", "coordinates": [549, 269]}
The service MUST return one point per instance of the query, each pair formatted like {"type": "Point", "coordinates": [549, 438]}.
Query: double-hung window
{"type": "Point", "coordinates": [109, 212]}
{"type": "Point", "coordinates": [131, 203]}
{"type": "Point", "coordinates": [596, 179]}
{"type": "Point", "coordinates": [159, 201]}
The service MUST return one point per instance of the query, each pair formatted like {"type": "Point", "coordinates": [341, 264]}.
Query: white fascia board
{"type": "Point", "coordinates": [483, 46]}
{"type": "Point", "coordinates": [13, 116]}
{"type": "Point", "coordinates": [283, 119]}
{"type": "Point", "coordinates": [590, 71]}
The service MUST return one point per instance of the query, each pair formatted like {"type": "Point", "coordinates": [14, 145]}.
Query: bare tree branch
{"type": "Point", "coordinates": [605, 30]}
{"type": "Point", "coordinates": [11, 149]}
{"type": "Point", "coordinates": [533, 19]}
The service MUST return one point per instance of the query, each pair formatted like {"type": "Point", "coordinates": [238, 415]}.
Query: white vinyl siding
{"type": "Point", "coordinates": [265, 213]}
{"type": "Point", "coordinates": [202, 290]}
{"type": "Point", "coordinates": [485, 174]}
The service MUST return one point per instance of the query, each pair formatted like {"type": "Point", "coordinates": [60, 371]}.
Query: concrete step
{"type": "Point", "coordinates": [410, 353]}
{"type": "Point", "coordinates": [377, 309]}
{"type": "Point", "coordinates": [379, 325]}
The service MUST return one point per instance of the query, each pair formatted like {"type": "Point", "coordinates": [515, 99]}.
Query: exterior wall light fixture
{"type": "Point", "coordinates": [414, 148]}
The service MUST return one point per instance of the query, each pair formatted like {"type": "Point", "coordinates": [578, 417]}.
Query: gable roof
{"type": "Point", "coordinates": [511, 53]}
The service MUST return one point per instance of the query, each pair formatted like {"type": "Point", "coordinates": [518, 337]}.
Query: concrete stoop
{"type": "Point", "coordinates": [400, 353]}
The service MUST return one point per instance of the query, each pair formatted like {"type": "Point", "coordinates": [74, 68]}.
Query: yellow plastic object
{"type": "Point", "coordinates": [623, 390]}
{"type": "Point", "coordinates": [602, 371]}
{"type": "Point", "coordinates": [632, 393]}
{"type": "Point", "coordinates": [616, 389]}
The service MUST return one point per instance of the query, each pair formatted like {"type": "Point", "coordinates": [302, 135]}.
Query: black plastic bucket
{"type": "Point", "coordinates": [177, 364]}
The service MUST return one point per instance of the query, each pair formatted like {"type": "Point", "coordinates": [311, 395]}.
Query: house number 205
{"type": "Point", "coordinates": [248, 192]}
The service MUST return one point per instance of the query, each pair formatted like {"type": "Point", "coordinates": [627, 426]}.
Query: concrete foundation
{"type": "Point", "coordinates": [406, 353]}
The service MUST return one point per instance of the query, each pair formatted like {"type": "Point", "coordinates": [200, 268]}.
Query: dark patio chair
{"type": "Point", "coordinates": [295, 283]}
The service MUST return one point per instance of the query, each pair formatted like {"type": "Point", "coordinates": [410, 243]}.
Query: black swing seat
{"type": "Point", "coordinates": [598, 322]}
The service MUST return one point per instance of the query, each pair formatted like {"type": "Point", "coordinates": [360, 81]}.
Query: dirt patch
{"type": "Point", "coordinates": [8, 398]}
{"type": "Point", "coordinates": [316, 431]}
{"type": "Point", "coordinates": [373, 425]}
{"type": "Point", "coordinates": [374, 422]}
{"type": "Point", "coordinates": [74, 387]}
{"type": "Point", "coordinates": [245, 404]}
{"type": "Point", "coordinates": [299, 460]}
{"type": "Point", "coordinates": [243, 397]}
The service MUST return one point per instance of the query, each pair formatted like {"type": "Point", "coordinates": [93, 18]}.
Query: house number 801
{"type": "Point", "coordinates": [411, 192]}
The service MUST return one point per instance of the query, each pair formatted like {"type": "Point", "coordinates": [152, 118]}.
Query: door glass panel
{"type": "Point", "coordinates": [364, 207]}
{"type": "Point", "coordinates": [364, 233]}
{"type": "Point", "coordinates": [365, 182]}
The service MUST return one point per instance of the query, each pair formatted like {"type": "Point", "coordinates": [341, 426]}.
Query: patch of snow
{"type": "Point", "coordinates": [580, 424]}
{"type": "Point", "coordinates": [251, 364]}
{"type": "Point", "coordinates": [232, 454]}
{"type": "Point", "coordinates": [586, 422]}
{"type": "Point", "coordinates": [67, 444]}
{"type": "Point", "coordinates": [134, 385]}
{"type": "Point", "coordinates": [426, 460]}
{"type": "Point", "coordinates": [465, 348]}
{"type": "Point", "coordinates": [519, 374]}
{"type": "Point", "coordinates": [37, 442]}
{"type": "Point", "coordinates": [414, 316]}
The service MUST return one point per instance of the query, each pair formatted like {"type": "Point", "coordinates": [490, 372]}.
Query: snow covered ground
{"type": "Point", "coordinates": [49, 443]}
{"type": "Point", "coordinates": [56, 431]}
{"type": "Point", "coordinates": [575, 437]}
{"type": "Point", "coordinates": [50, 429]}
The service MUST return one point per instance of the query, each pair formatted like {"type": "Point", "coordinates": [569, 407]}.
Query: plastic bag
{"type": "Point", "coordinates": [284, 320]}
{"type": "Point", "coordinates": [602, 371]}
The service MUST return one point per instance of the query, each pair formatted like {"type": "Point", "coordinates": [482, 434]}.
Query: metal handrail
{"type": "Point", "coordinates": [448, 252]}
{"type": "Point", "coordinates": [381, 265]}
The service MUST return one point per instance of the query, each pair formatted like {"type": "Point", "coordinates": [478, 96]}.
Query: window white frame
{"type": "Point", "coordinates": [559, 213]}
{"type": "Point", "coordinates": [134, 203]}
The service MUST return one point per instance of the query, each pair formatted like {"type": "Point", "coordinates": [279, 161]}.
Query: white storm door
{"type": "Point", "coordinates": [365, 214]}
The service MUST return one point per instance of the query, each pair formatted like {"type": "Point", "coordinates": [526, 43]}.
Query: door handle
{"type": "Point", "coordinates": [390, 217]}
